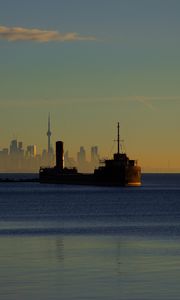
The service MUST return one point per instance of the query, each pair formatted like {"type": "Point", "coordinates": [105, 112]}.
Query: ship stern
{"type": "Point", "coordinates": [133, 176]}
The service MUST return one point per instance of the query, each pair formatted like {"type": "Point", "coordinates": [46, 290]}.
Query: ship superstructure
{"type": "Point", "coordinates": [120, 170]}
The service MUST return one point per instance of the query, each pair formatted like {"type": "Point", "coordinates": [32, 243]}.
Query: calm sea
{"type": "Point", "coordinates": [76, 242]}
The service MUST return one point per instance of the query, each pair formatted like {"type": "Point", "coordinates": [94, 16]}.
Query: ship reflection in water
{"type": "Point", "coordinates": [119, 171]}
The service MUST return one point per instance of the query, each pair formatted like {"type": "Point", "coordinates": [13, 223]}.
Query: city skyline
{"type": "Point", "coordinates": [91, 65]}
{"type": "Point", "coordinates": [17, 158]}
{"type": "Point", "coordinates": [83, 160]}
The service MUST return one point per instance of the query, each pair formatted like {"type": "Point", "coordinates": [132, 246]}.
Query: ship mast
{"type": "Point", "coordinates": [118, 138]}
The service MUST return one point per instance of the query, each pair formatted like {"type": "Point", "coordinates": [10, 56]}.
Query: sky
{"type": "Point", "coordinates": [92, 64]}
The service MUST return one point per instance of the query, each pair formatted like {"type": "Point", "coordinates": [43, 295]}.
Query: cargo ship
{"type": "Point", "coordinates": [118, 171]}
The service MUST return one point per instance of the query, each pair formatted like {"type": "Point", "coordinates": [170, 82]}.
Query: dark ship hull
{"type": "Point", "coordinates": [119, 171]}
{"type": "Point", "coordinates": [126, 177]}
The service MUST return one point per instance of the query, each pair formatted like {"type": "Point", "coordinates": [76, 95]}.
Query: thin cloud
{"type": "Point", "coordinates": [145, 102]}
{"type": "Point", "coordinates": [25, 34]}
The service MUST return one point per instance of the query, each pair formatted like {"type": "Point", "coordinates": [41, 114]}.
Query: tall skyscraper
{"type": "Point", "coordinates": [81, 156]}
{"type": "Point", "coordinates": [31, 151]}
{"type": "Point", "coordinates": [94, 154]}
{"type": "Point", "coordinates": [49, 135]}
{"type": "Point", "coordinates": [14, 147]}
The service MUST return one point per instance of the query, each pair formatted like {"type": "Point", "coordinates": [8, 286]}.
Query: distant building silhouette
{"type": "Point", "coordinates": [81, 156]}
{"type": "Point", "coordinates": [13, 147]}
{"type": "Point", "coordinates": [82, 164]}
{"type": "Point", "coordinates": [31, 151]}
{"type": "Point", "coordinates": [94, 154]}
{"type": "Point", "coordinates": [20, 146]}
{"type": "Point", "coordinates": [69, 162]}
{"type": "Point", "coordinates": [49, 135]}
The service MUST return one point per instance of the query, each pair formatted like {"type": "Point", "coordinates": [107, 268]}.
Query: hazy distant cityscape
{"type": "Point", "coordinates": [16, 158]}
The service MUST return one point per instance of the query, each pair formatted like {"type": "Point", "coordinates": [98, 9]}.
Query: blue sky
{"type": "Point", "coordinates": [122, 64]}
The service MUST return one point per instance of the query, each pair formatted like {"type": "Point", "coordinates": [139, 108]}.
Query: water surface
{"type": "Point", "coordinates": [73, 242]}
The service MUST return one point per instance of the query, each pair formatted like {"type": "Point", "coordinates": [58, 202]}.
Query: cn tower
{"type": "Point", "coordinates": [49, 135]}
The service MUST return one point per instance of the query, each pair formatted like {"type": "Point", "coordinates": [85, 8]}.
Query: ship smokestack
{"type": "Point", "coordinates": [59, 155]}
